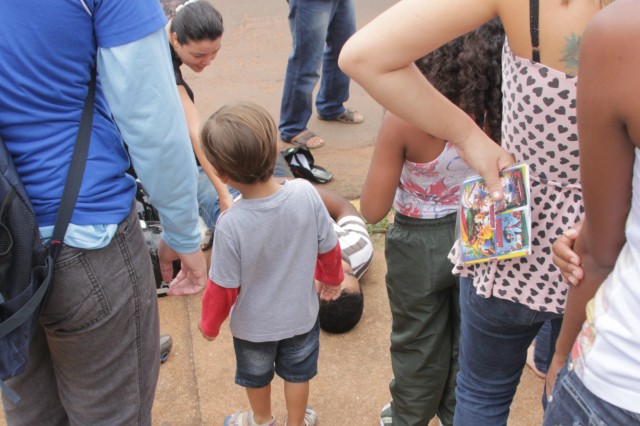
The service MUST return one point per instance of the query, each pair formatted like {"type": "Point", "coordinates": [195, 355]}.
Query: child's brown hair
{"type": "Point", "coordinates": [240, 142]}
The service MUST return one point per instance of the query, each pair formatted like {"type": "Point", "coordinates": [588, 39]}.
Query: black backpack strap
{"type": "Point", "coordinates": [76, 170]}
{"type": "Point", "coordinates": [534, 12]}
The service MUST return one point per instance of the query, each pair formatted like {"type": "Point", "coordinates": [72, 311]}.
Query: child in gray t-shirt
{"type": "Point", "coordinates": [267, 250]}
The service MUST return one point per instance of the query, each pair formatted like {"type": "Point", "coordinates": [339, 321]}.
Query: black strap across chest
{"type": "Point", "coordinates": [534, 11]}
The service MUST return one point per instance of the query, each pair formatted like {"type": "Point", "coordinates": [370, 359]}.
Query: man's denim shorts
{"type": "Point", "coordinates": [294, 359]}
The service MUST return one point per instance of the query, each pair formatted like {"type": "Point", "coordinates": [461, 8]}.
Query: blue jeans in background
{"type": "Point", "coordinates": [494, 337]}
{"type": "Point", "coordinates": [542, 347]}
{"type": "Point", "coordinates": [574, 404]}
{"type": "Point", "coordinates": [319, 29]}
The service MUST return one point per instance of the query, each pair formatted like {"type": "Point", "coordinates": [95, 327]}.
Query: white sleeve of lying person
{"type": "Point", "coordinates": [355, 243]}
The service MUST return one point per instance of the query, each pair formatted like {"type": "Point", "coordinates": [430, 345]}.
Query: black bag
{"type": "Point", "coordinates": [22, 293]}
{"type": "Point", "coordinates": [145, 209]}
{"type": "Point", "coordinates": [152, 232]}
{"type": "Point", "coordinates": [26, 265]}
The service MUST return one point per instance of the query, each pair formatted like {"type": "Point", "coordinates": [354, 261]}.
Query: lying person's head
{"type": "Point", "coordinates": [342, 314]}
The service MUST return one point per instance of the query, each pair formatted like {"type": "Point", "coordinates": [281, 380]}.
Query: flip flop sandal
{"type": "Point", "coordinates": [304, 138]}
{"type": "Point", "coordinates": [302, 165]}
{"type": "Point", "coordinates": [321, 174]}
{"type": "Point", "coordinates": [347, 117]}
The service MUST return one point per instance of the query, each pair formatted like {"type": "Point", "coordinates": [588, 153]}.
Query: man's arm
{"type": "Point", "coordinates": [139, 85]}
{"type": "Point", "coordinates": [337, 206]}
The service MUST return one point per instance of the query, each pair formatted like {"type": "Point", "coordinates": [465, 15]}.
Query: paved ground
{"type": "Point", "coordinates": [196, 383]}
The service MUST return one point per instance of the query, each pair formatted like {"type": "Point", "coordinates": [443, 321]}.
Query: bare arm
{"type": "Point", "coordinates": [609, 61]}
{"type": "Point", "coordinates": [193, 123]}
{"type": "Point", "coordinates": [337, 206]}
{"type": "Point", "coordinates": [380, 58]}
{"type": "Point", "coordinates": [385, 168]}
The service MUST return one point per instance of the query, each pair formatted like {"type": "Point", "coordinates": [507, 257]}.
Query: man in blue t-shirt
{"type": "Point", "coordinates": [95, 356]}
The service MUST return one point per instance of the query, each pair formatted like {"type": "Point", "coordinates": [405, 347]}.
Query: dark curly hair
{"type": "Point", "coordinates": [467, 70]}
{"type": "Point", "coordinates": [341, 315]}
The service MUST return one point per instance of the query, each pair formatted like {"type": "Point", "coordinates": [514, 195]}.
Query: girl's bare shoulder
{"type": "Point", "coordinates": [419, 146]}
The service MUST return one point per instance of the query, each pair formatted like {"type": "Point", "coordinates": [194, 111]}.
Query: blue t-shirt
{"type": "Point", "coordinates": [46, 55]}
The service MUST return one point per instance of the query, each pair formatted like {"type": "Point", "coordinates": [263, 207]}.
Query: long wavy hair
{"type": "Point", "coordinates": [468, 71]}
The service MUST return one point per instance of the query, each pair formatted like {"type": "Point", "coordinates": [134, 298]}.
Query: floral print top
{"type": "Point", "coordinates": [431, 190]}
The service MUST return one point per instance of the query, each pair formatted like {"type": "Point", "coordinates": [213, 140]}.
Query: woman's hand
{"type": "Point", "coordinates": [487, 158]}
{"type": "Point", "coordinates": [565, 258]}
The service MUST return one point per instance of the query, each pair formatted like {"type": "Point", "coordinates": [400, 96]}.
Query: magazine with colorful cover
{"type": "Point", "coordinates": [495, 230]}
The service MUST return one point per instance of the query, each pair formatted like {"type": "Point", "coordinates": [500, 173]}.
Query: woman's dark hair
{"type": "Point", "coordinates": [196, 21]}
{"type": "Point", "coordinates": [467, 70]}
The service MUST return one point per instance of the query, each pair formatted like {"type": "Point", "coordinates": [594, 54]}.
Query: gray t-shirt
{"type": "Point", "coordinates": [269, 247]}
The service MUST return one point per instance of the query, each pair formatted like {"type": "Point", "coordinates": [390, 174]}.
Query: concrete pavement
{"type": "Point", "coordinates": [196, 384]}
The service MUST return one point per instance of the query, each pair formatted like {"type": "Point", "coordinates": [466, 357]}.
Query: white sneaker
{"type": "Point", "coordinates": [166, 342]}
{"type": "Point", "coordinates": [386, 415]}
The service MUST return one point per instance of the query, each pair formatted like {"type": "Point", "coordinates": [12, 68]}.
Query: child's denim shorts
{"type": "Point", "coordinates": [295, 359]}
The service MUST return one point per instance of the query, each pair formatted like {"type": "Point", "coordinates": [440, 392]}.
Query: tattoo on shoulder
{"type": "Point", "coordinates": [570, 52]}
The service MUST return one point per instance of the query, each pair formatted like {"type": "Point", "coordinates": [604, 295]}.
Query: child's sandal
{"type": "Point", "coordinates": [245, 418]}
